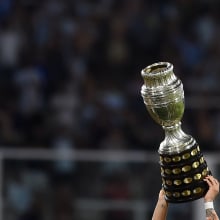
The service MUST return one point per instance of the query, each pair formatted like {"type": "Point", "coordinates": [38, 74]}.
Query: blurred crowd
{"type": "Point", "coordinates": [70, 72]}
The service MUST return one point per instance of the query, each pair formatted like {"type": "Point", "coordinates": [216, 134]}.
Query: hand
{"type": "Point", "coordinates": [213, 188]}
{"type": "Point", "coordinates": [161, 197]}
{"type": "Point", "coordinates": [161, 208]}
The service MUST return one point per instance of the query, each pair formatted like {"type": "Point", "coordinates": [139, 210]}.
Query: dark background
{"type": "Point", "coordinates": [70, 79]}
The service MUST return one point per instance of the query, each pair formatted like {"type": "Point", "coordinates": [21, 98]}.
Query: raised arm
{"type": "Point", "coordinates": [161, 208]}
{"type": "Point", "coordinates": [210, 197]}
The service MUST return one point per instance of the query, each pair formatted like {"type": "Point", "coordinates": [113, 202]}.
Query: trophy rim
{"type": "Point", "coordinates": [157, 69]}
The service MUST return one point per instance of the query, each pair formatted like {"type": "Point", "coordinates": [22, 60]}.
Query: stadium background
{"type": "Point", "coordinates": [70, 81]}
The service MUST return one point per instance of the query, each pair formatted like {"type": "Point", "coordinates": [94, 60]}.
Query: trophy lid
{"type": "Point", "coordinates": [156, 69]}
{"type": "Point", "coordinates": [158, 74]}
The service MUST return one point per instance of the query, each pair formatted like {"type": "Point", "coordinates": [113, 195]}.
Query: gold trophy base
{"type": "Point", "coordinates": [182, 175]}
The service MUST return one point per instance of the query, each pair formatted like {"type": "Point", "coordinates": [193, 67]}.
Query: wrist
{"type": "Point", "coordinates": [208, 200]}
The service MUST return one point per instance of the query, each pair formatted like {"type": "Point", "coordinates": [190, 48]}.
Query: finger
{"type": "Point", "coordinates": [209, 182]}
{"type": "Point", "coordinates": [215, 181]}
{"type": "Point", "coordinates": [211, 179]}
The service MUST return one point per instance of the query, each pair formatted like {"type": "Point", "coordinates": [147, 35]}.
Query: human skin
{"type": "Point", "coordinates": [160, 211]}
{"type": "Point", "coordinates": [210, 196]}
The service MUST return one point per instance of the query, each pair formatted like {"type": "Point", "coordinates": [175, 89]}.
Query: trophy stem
{"type": "Point", "coordinates": [175, 140]}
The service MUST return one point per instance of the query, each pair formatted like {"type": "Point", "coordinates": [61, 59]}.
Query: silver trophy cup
{"type": "Point", "coordinates": [183, 166]}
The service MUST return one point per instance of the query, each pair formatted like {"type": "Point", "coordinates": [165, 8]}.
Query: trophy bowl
{"type": "Point", "coordinates": [182, 163]}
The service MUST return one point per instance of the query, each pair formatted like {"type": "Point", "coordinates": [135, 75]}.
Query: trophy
{"type": "Point", "coordinates": [182, 164]}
